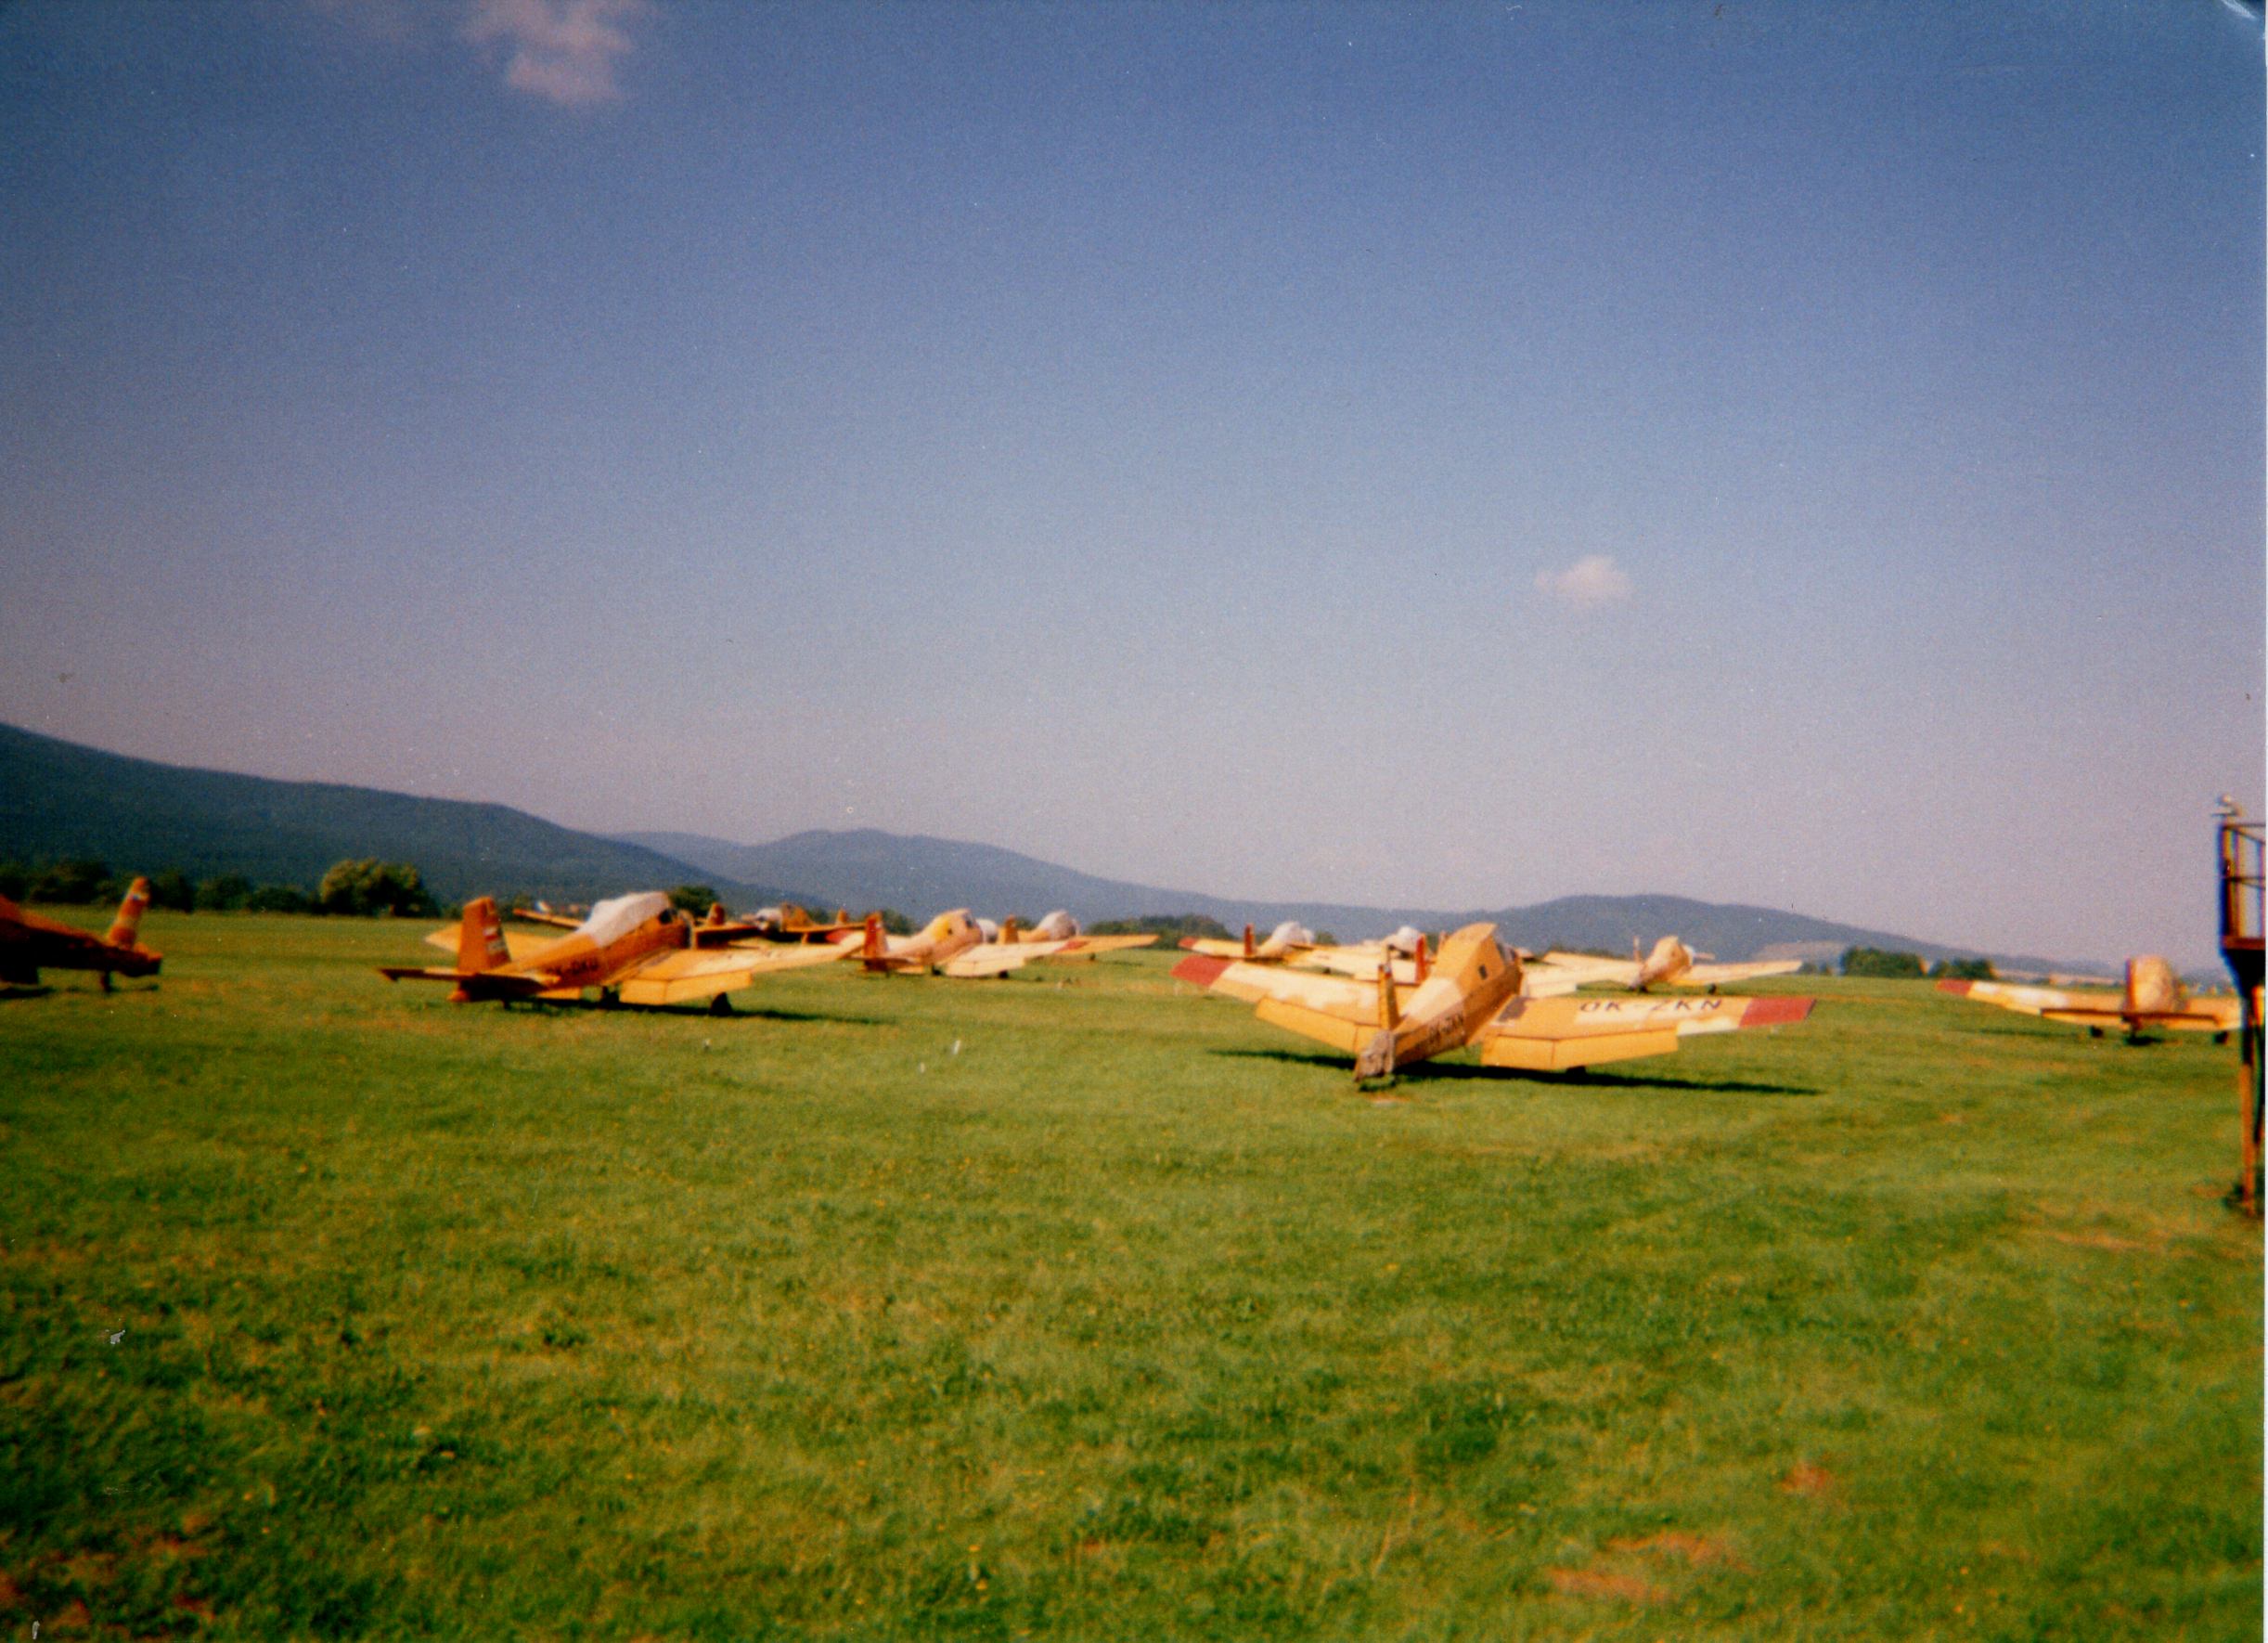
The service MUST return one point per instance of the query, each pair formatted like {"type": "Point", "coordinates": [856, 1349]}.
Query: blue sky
{"type": "Point", "coordinates": [1810, 456]}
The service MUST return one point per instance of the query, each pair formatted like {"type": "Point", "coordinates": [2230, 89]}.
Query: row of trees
{"type": "Point", "coordinates": [353, 889]}
{"type": "Point", "coordinates": [1879, 963]}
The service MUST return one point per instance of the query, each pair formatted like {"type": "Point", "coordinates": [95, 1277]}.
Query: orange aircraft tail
{"type": "Point", "coordinates": [128, 925]}
{"type": "Point", "coordinates": [872, 949]}
{"type": "Point", "coordinates": [480, 939]}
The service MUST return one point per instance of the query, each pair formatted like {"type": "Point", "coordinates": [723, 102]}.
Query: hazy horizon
{"type": "Point", "coordinates": [1448, 456]}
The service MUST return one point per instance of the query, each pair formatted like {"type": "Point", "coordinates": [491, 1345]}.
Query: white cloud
{"type": "Point", "coordinates": [1590, 581]}
{"type": "Point", "coordinates": [562, 50]}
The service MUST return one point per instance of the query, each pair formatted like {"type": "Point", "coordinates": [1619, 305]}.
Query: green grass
{"type": "Point", "coordinates": [328, 1309]}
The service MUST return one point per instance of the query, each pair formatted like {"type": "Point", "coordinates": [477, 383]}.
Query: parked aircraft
{"type": "Point", "coordinates": [2152, 996]}
{"type": "Point", "coordinates": [634, 950]}
{"type": "Point", "coordinates": [29, 943]}
{"type": "Point", "coordinates": [719, 928]}
{"type": "Point", "coordinates": [953, 944]}
{"type": "Point", "coordinates": [1285, 942]}
{"type": "Point", "coordinates": [1058, 926]}
{"type": "Point", "coordinates": [787, 921]}
{"type": "Point", "coordinates": [1474, 995]}
{"type": "Point", "coordinates": [1406, 950]}
{"type": "Point", "coordinates": [1672, 964]}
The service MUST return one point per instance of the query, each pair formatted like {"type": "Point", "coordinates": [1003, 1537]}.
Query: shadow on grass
{"type": "Point", "coordinates": [700, 1013]}
{"type": "Point", "coordinates": [12, 991]}
{"type": "Point", "coordinates": [1576, 1077]}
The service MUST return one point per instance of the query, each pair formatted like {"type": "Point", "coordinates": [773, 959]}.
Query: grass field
{"type": "Point", "coordinates": [1099, 1310]}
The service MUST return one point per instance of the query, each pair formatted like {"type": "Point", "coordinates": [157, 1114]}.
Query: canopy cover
{"type": "Point", "coordinates": [610, 921]}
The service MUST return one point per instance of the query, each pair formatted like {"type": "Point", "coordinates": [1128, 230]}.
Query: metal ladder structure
{"type": "Point", "coordinates": [2241, 884]}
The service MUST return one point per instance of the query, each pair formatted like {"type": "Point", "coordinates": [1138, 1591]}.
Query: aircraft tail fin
{"type": "Point", "coordinates": [128, 925]}
{"type": "Point", "coordinates": [480, 938]}
{"type": "Point", "coordinates": [1248, 948]}
{"type": "Point", "coordinates": [872, 949]}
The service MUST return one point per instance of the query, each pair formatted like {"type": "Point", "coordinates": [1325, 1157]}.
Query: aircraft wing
{"type": "Point", "coordinates": [519, 944]}
{"type": "Point", "coordinates": [2055, 1002]}
{"type": "Point", "coordinates": [2081, 1007]}
{"type": "Point", "coordinates": [1336, 1009]}
{"type": "Point", "coordinates": [1083, 945]}
{"type": "Point", "coordinates": [1552, 1034]}
{"type": "Point", "coordinates": [529, 915]}
{"type": "Point", "coordinates": [1564, 971]}
{"type": "Point", "coordinates": [482, 983]}
{"type": "Point", "coordinates": [2220, 1012]}
{"type": "Point", "coordinates": [1361, 961]}
{"type": "Point", "coordinates": [690, 973]}
{"type": "Point", "coordinates": [1721, 974]}
{"type": "Point", "coordinates": [997, 958]}
{"type": "Point", "coordinates": [1212, 947]}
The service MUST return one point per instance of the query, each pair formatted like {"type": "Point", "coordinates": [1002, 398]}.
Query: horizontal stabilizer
{"type": "Point", "coordinates": [1340, 1034]}
{"type": "Point", "coordinates": [476, 983]}
{"type": "Point", "coordinates": [519, 945]}
{"type": "Point", "coordinates": [1201, 970]}
{"type": "Point", "coordinates": [1549, 1034]}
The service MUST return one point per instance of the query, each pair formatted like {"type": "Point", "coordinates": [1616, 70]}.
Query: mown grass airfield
{"type": "Point", "coordinates": [1082, 1305]}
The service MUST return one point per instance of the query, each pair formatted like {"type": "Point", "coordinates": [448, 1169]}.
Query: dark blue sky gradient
{"type": "Point", "coordinates": [1134, 435]}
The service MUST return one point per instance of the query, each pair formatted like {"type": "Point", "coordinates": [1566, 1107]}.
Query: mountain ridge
{"type": "Point", "coordinates": [61, 798]}
{"type": "Point", "coordinates": [921, 874]}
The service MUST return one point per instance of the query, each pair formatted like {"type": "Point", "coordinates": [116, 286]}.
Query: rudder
{"type": "Point", "coordinates": [480, 939]}
{"type": "Point", "coordinates": [128, 925]}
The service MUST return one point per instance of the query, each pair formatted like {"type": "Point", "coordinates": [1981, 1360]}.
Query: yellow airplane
{"type": "Point", "coordinates": [635, 949]}
{"type": "Point", "coordinates": [2152, 996]}
{"type": "Point", "coordinates": [1474, 995]}
{"type": "Point", "coordinates": [789, 923]}
{"type": "Point", "coordinates": [1672, 964]}
{"type": "Point", "coordinates": [29, 943]}
{"type": "Point", "coordinates": [954, 944]}
{"type": "Point", "coordinates": [1406, 951]}
{"type": "Point", "coordinates": [719, 928]}
{"type": "Point", "coordinates": [1058, 926]}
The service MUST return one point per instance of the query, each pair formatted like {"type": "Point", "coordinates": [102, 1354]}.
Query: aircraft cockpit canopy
{"type": "Point", "coordinates": [610, 921]}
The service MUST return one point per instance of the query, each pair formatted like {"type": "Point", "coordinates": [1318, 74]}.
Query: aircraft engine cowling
{"type": "Point", "coordinates": [1670, 959]}
{"type": "Point", "coordinates": [2151, 986]}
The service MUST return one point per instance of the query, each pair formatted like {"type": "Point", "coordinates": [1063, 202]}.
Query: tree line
{"type": "Point", "coordinates": [357, 888]}
{"type": "Point", "coordinates": [1885, 965]}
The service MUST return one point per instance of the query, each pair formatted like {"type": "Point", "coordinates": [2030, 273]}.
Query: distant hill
{"type": "Point", "coordinates": [920, 876]}
{"type": "Point", "coordinates": [58, 800]}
